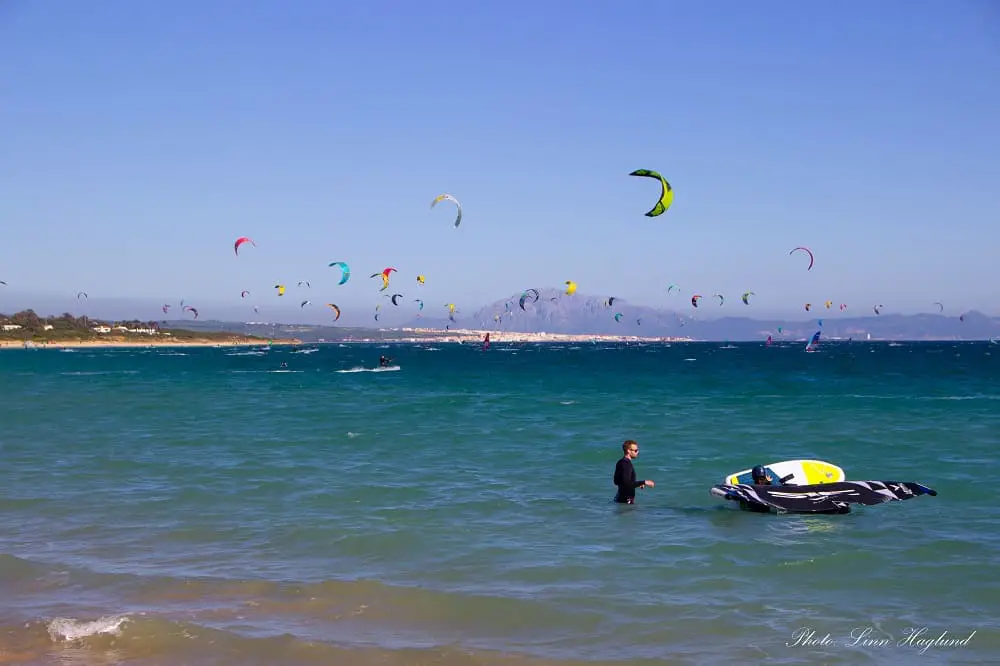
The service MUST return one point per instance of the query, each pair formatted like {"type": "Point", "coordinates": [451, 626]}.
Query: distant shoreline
{"type": "Point", "coordinates": [419, 335]}
{"type": "Point", "coordinates": [120, 342]}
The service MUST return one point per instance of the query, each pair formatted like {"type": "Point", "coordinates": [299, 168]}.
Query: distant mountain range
{"type": "Point", "coordinates": [554, 312]}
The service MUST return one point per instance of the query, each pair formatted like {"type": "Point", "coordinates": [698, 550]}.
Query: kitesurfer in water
{"type": "Point", "coordinates": [760, 476]}
{"type": "Point", "coordinates": [383, 361]}
{"type": "Point", "coordinates": [624, 477]}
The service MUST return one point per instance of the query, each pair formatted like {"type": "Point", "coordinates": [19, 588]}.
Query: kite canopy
{"type": "Point", "coordinates": [666, 192]}
{"type": "Point", "coordinates": [570, 287]}
{"type": "Point", "coordinates": [807, 251]}
{"type": "Point", "coordinates": [345, 270]}
{"type": "Point", "coordinates": [240, 241]}
{"type": "Point", "coordinates": [528, 293]}
{"type": "Point", "coordinates": [822, 497]}
{"type": "Point", "coordinates": [448, 197]}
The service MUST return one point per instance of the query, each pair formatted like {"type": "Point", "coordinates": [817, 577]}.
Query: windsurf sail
{"type": "Point", "coordinates": [768, 341]}
{"type": "Point", "coordinates": [814, 343]}
{"type": "Point", "coordinates": [486, 342]}
{"type": "Point", "coordinates": [822, 497]}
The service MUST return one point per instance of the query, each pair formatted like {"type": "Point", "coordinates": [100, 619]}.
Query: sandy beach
{"type": "Point", "coordinates": [477, 335]}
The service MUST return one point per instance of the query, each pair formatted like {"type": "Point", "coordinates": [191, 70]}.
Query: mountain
{"type": "Point", "coordinates": [554, 312]}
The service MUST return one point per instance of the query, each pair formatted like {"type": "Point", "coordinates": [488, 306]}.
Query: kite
{"type": "Point", "coordinates": [694, 300]}
{"type": "Point", "coordinates": [808, 306]}
{"type": "Point", "coordinates": [421, 279]}
{"type": "Point", "coordinates": [188, 308]}
{"type": "Point", "coordinates": [528, 293]}
{"type": "Point", "coordinates": [280, 288]}
{"type": "Point", "coordinates": [394, 297]}
{"type": "Point", "coordinates": [84, 294]}
{"type": "Point", "coordinates": [344, 268]}
{"type": "Point", "coordinates": [940, 306]}
{"type": "Point", "coordinates": [166, 307]}
{"type": "Point", "coordinates": [335, 309]}
{"type": "Point", "coordinates": [448, 197]}
{"type": "Point", "coordinates": [821, 497]}
{"type": "Point", "coordinates": [240, 241]}
{"type": "Point", "coordinates": [672, 287]}
{"type": "Point", "coordinates": [618, 316]}
{"type": "Point", "coordinates": [306, 283]}
{"type": "Point", "coordinates": [244, 293]}
{"type": "Point", "coordinates": [746, 297]}
{"type": "Point", "coordinates": [878, 309]}
{"type": "Point", "coordinates": [807, 251]}
{"type": "Point", "coordinates": [304, 303]}
{"type": "Point", "coordinates": [421, 306]}
{"type": "Point", "coordinates": [722, 299]}
{"type": "Point", "coordinates": [666, 192]}
{"type": "Point", "coordinates": [570, 287]}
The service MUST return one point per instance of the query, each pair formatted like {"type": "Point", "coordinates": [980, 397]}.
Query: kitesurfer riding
{"type": "Point", "coordinates": [383, 361]}
{"type": "Point", "coordinates": [624, 477]}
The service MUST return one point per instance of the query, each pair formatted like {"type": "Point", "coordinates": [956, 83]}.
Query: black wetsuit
{"type": "Point", "coordinates": [625, 480]}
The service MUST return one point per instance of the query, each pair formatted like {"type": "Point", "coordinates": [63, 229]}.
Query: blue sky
{"type": "Point", "coordinates": [141, 139]}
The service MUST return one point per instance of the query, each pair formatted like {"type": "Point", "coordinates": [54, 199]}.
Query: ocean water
{"type": "Point", "coordinates": [207, 506]}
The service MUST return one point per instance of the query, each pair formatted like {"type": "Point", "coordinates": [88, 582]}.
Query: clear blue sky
{"type": "Point", "coordinates": [140, 139]}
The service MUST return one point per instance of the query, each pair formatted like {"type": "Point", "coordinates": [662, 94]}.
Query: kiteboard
{"type": "Point", "coordinates": [793, 473]}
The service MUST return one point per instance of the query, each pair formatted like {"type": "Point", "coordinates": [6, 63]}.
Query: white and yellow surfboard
{"type": "Point", "coordinates": [795, 473]}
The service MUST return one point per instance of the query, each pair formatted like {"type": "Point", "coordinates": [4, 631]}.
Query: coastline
{"type": "Point", "coordinates": [418, 335]}
{"type": "Point", "coordinates": [127, 343]}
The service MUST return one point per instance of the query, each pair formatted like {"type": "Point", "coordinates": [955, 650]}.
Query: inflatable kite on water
{"type": "Point", "coordinates": [666, 192]}
{"type": "Point", "coordinates": [820, 497]}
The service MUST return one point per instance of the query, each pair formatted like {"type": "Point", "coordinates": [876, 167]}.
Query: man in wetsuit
{"type": "Point", "coordinates": [760, 478]}
{"type": "Point", "coordinates": [625, 474]}
{"type": "Point", "coordinates": [383, 362]}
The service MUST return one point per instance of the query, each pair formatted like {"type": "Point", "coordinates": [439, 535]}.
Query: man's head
{"type": "Point", "coordinates": [759, 475]}
{"type": "Point", "coordinates": [630, 448]}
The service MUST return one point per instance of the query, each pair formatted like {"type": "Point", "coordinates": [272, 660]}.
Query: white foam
{"type": "Point", "coordinates": [68, 629]}
{"type": "Point", "coordinates": [390, 368]}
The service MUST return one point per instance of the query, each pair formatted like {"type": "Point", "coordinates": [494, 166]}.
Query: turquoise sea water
{"type": "Point", "coordinates": [200, 506]}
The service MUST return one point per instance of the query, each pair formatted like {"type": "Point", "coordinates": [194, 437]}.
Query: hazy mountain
{"type": "Point", "coordinates": [554, 312]}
